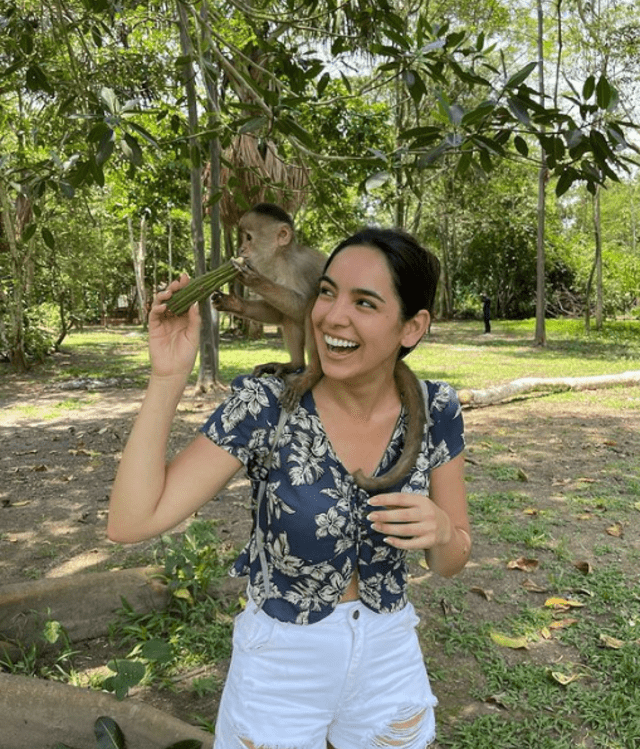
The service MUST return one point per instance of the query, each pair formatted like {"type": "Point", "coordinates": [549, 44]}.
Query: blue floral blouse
{"type": "Point", "coordinates": [313, 515]}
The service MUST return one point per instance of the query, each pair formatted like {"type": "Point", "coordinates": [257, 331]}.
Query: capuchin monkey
{"type": "Point", "coordinates": [283, 272]}
{"type": "Point", "coordinates": [286, 275]}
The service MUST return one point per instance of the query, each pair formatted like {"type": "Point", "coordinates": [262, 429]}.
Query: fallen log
{"type": "Point", "coordinates": [498, 393]}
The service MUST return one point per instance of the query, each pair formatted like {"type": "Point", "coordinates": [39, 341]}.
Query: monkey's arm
{"type": "Point", "coordinates": [254, 309]}
{"type": "Point", "coordinates": [290, 302]}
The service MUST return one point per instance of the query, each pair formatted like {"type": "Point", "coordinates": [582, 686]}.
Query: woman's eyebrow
{"type": "Point", "coordinates": [356, 291]}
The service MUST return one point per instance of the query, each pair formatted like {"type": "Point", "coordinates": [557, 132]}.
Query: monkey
{"type": "Point", "coordinates": [283, 272]}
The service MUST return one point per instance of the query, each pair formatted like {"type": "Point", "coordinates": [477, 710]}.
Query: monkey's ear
{"type": "Point", "coordinates": [285, 235]}
{"type": "Point", "coordinates": [415, 328]}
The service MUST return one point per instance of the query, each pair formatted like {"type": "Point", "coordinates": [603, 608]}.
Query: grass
{"type": "Point", "coordinates": [575, 684]}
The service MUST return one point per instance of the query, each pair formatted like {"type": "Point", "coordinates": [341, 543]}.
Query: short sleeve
{"type": "Point", "coordinates": [241, 425]}
{"type": "Point", "coordinates": [446, 430]}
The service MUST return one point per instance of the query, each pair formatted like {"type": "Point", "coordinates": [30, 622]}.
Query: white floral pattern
{"type": "Point", "coordinates": [314, 517]}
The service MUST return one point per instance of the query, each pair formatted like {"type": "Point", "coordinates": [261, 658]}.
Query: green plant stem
{"type": "Point", "coordinates": [200, 288]}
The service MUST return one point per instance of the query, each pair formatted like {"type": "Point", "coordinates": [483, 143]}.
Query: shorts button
{"type": "Point", "coordinates": [356, 614]}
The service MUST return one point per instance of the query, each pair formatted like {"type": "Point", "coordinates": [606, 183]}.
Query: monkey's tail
{"type": "Point", "coordinates": [413, 400]}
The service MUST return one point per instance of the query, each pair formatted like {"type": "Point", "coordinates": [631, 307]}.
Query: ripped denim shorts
{"type": "Point", "coordinates": [356, 678]}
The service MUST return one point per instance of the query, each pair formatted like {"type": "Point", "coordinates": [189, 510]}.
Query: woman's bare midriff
{"type": "Point", "coordinates": [351, 593]}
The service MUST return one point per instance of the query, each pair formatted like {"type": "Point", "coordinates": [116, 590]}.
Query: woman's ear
{"type": "Point", "coordinates": [415, 328]}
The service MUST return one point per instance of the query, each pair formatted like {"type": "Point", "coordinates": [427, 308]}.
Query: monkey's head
{"type": "Point", "coordinates": [264, 230]}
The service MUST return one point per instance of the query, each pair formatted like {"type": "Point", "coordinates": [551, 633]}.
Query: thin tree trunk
{"type": "Point", "coordinates": [15, 305]}
{"type": "Point", "coordinates": [206, 372]}
{"type": "Point", "coordinates": [597, 231]}
{"type": "Point", "coordinates": [541, 335]}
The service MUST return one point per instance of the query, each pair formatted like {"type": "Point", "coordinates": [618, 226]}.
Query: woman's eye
{"type": "Point", "coordinates": [366, 303]}
{"type": "Point", "coordinates": [324, 291]}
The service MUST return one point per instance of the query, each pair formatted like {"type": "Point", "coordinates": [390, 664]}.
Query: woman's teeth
{"type": "Point", "coordinates": [339, 343]}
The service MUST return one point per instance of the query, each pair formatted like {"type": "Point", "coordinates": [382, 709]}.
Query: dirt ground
{"type": "Point", "coordinates": [59, 449]}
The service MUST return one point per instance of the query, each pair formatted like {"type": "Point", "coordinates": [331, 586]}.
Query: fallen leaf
{"type": "Point", "coordinates": [526, 565]}
{"type": "Point", "coordinates": [611, 642]}
{"type": "Point", "coordinates": [545, 633]}
{"type": "Point", "coordinates": [515, 643]}
{"type": "Point", "coordinates": [531, 511]}
{"type": "Point", "coordinates": [586, 481]}
{"type": "Point", "coordinates": [616, 530]}
{"type": "Point", "coordinates": [40, 468]}
{"type": "Point", "coordinates": [522, 476]}
{"type": "Point", "coordinates": [533, 587]}
{"type": "Point", "coordinates": [486, 594]}
{"type": "Point", "coordinates": [585, 516]}
{"type": "Point", "coordinates": [563, 623]}
{"type": "Point", "coordinates": [610, 443]}
{"type": "Point", "coordinates": [22, 503]}
{"type": "Point", "coordinates": [564, 679]}
{"type": "Point", "coordinates": [563, 604]}
{"type": "Point", "coordinates": [583, 567]}
{"type": "Point", "coordinates": [637, 506]}
{"type": "Point", "coordinates": [497, 699]}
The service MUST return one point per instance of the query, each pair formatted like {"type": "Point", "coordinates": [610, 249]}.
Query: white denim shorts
{"type": "Point", "coordinates": [356, 678]}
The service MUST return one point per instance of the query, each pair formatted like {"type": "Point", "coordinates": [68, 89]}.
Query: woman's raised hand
{"type": "Point", "coordinates": [173, 341]}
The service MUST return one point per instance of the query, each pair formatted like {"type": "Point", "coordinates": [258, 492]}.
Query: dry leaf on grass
{"type": "Point", "coordinates": [526, 565]}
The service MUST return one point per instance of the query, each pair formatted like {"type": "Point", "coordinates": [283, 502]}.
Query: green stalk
{"type": "Point", "coordinates": [201, 288]}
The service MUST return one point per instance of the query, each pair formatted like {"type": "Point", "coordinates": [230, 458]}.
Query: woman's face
{"type": "Point", "coordinates": [356, 319]}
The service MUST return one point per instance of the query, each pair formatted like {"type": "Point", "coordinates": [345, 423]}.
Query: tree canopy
{"type": "Point", "coordinates": [112, 114]}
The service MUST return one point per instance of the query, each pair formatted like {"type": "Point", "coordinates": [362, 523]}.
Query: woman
{"type": "Point", "coordinates": [325, 653]}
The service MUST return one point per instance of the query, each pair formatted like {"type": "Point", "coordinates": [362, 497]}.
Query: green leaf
{"type": "Point", "coordinates": [521, 146]}
{"type": "Point", "coordinates": [108, 733]}
{"type": "Point", "coordinates": [604, 92]}
{"type": "Point", "coordinates": [157, 650]}
{"type": "Point", "coordinates": [521, 76]}
{"type": "Point", "coordinates": [131, 149]}
{"type": "Point", "coordinates": [566, 180]}
{"type": "Point", "coordinates": [28, 232]}
{"type": "Point", "coordinates": [109, 100]}
{"type": "Point", "coordinates": [37, 80]}
{"type": "Point", "coordinates": [588, 88]}
{"type": "Point", "coordinates": [519, 110]}
{"type": "Point", "coordinates": [55, 628]}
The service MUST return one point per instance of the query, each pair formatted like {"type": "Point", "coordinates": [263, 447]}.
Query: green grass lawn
{"type": "Point", "coordinates": [537, 676]}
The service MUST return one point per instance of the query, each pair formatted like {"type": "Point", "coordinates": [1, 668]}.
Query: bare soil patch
{"type": "Point", "coordinates": [565, 467]}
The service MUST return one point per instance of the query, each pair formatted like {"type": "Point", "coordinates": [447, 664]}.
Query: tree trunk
{"type": "Point", "coordinates": [207, 372]}
{"type": "Point", "coordinates": [597, 233]}
{"type": "Point", "coordinates": [541, 335]}
{"type": "Point", "coordinates": [13, 224]}
{"type": "Point", "coordinates": [138, 253]}
{"type": "Point", "coordinates": [500, 393]}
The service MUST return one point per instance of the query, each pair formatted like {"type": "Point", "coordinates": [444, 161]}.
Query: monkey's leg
{"type": "Point", "coordinates": [413, 400]}
{"type": "Point", "coordinates": [298, 384]}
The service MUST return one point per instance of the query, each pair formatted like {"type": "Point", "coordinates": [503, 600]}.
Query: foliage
{"type": "Point", "coordinates": [109, 736]}
{"type": "Point", "coordinates": [194, 628]}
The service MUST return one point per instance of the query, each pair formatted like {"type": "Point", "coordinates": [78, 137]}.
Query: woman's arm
{"type": "Point", "coordinates": [439, 524]}
{"type": "Point", "coordinates": [148, 497]}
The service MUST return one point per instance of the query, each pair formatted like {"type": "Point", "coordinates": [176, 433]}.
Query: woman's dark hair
{"type": "Point", "coordinates": [415, 270]}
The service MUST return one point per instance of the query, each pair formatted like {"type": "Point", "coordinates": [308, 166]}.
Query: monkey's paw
{"type": "Point", "coordinates": [225, 302]}
{"type": "Point", "coordinates": [279, 369]}
{"type": "Point", "coordinates": [247, 274]}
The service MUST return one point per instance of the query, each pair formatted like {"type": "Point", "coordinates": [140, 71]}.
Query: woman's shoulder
{"type": "Point", "coordinates": [272, 387]}
{"type": "Point", "coordinates": [441, 395]}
